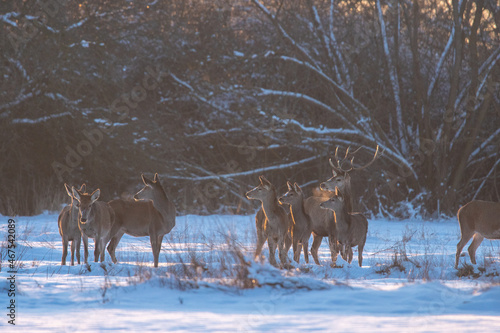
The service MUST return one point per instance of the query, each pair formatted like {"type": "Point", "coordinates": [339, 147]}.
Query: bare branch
{"type": "Point", "coordinates": [394, 80]}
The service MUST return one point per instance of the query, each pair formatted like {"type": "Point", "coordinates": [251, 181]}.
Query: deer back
{"type": "Point", "coordinates": [323, 221]}
{"type": "Point", "coordinates": [482, 217]}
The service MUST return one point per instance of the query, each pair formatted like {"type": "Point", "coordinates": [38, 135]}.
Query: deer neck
{"type": "Point", "coordinates": [73, 210]}
{"type": "Point", "coordinates": [271, 207]}
{"type": "Point", "coordinates": [343, 219]}
{"type": "Point", "coordinates": [160, 203]}
{"type": "Point", "coordinates": [348, 198]}
{"type": "Point", "coordinates": [298, 211]}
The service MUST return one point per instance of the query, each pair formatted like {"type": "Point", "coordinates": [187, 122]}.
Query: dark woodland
{"type": "Point", "coordinates": [213, 94]}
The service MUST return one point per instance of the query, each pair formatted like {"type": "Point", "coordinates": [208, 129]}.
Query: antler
{"type": "Point", "coordinates": [339, 168]}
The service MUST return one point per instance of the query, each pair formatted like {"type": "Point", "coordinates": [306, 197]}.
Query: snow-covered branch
{"type": "Point", "coordinates": [486, 178]}
{"type": "Point", "coordinates": [77, 24]}
{"type": "Point", "coordinates": [338, 52]}
{"type": "Point", "coordinates": [7, 18]}
{"type": "Point", "coordinates": [19, 99]}
{"type": "Point", "coordinates": [41, 119]}
{"type": "Point", "coordinates": [439, 65]}
{"type": "Point", "coordinates": [285, 34]}
{"type": "Point", "coordinates": [484, 144]}
{"type": "Point", "coordinates": [340, 90]}
{"type": "Point", "coordinates": [393, 75]}
{"type": "Point", "coordinates": [323, 37]}
{"type": "Point", "coordinates": [20, 67]}
{"type": "Point", "coordinates": [245, 173]}
{"type": "Point", "coordinates": [306, 98]}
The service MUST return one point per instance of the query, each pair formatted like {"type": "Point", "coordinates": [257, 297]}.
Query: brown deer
{"type": "Point", "coordinates": [341, 178]}
{"type": "Point", "coordinates": [478, 220]}
{"type": "Point", "coordinates": [275, 226]}
{"type": "Point", "coordinates": [322, 225]}
{"type": "Point", "coordinates": [68, 228]}
{"type": "Point", "coordinates": [351, 227]}
{"type": "Point", "coordinates": [302, 225]}
{"type": "Point", "coordinates": [151, 214]}
{"type": "Point", "coordinates": [95, 219]}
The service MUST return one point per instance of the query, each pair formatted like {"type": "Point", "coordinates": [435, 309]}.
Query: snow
{"type": "Point", "coordinates": [194, 289]}
{"type": "Point", "coordinates": [7, 18]}
{"type": "Point", "coordinates": [40, 119]}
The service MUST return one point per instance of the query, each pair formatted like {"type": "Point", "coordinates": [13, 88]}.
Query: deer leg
{"type": "Point", "coordinates": [296, 250]}
{"type": "Point", "coordinates": [305, 246]}
{"type": "Point", "coordinates": [154, 248]}
{"type": "Point", "coordinates": [332, 243]}
{"type": "Point", "coordinates": [73, 245]}
{"type": "Point", "coordinates": [261, 239]}
{"type": "Point", "coordinates": [349, 251]}
{"type": "Point", "coordinates": [65, 251]}
{"type": "Point", "coordinates": [78, 246]}
{"type": "Point", "coordinates": [281, 250]}
{"type": "Point", "coordinates": [102, 246]}
{"type": "Point", "coordinates": [360, 253]}
{"type": "Point", "coordinates": [476, 241]}
{"type": "Point", "coordinates": [315, 246]}
{"type": "Point", "coordinates": [466, 236]}
{"type": "Point", "coordinates": [96, 249]}
{"type": "Point", "coordinates": [158, 249]}
{"type": "Point", "coordinates": [272, 249]}
{"type": "Point", "coordinates": [113, 245]}
{"type": "Point", "coordinates": [85, 248]}
{"type": "Point", "coordinates": [288, 242]}
{"type": "Point", "coordinates": [342, 251]}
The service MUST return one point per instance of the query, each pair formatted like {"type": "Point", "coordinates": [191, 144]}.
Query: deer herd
{"type": "Point", "coordinates": [283, 221]}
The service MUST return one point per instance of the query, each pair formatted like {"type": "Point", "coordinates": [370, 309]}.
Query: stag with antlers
{"type": "Point", "coordinates": [341, 178]}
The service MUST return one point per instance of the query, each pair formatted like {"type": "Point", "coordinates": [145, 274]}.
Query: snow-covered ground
{"type": "Point", "coordinates": [407, 282]}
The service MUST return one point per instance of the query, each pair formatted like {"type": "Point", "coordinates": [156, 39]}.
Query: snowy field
{"type": "Point", "coordinates": [207, 282]}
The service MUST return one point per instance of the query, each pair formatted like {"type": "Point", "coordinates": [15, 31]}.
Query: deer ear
{"type": "Point", "coordinates": [95, 195]}
{"type": "Point", "coordinates": [264, 181]}
{"type": "Point", "coordinates": [145, 180]}
{"type": "Point", "coordinates": [347, 177]}
{"type": "Point", "coordinates": [68, 190]}
{"type": "Point", "coordinates": [297, 188]}
{"type": "Point", "coordinates": [335, 174]}
{"type": "Point", "coordinates": [75, 193]}
{"type": "Point", "coordinates": [289, 185]}
{"type": "Point", "coordinates": [83, 188]}
{"type": "Point", "coordinates": [156, 179]}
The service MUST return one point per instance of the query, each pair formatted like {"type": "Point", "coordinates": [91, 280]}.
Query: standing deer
{"type": "Point", "coordinates": [275, 226]}
{"type": "Point", "coordinates": [95, 220]}
{"type": "Point", "coordinates": [478, 220]}
{"type": "Point", "coordinates": [69, 230]}
{"type": "Point", "coordinates": [341, 178]}
{"type": "Point", "coordinates": [302, 226]}
{"type": "Point", "coordinates": [151, 214]}
{"type": "Point", "coordinates": [322, 225]}
{"type": "Point", "coordinates": [351, 227]}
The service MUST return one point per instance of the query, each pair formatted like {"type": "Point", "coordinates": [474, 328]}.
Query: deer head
{"type": "Point", "coordinates": [293, 196]}
{"type": "Point", "coordinates": [335, 203]}
{"type": "Point", "coordinates": [85, 202]}
{"type": "Point", "coordinates": [263, 191]}
{"type": "Point", "coordinates": [69, 190]}
{"type": "Point", "coordinates": [341, 178]}
{"type": "Point", "coordinates": [151, 187]}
